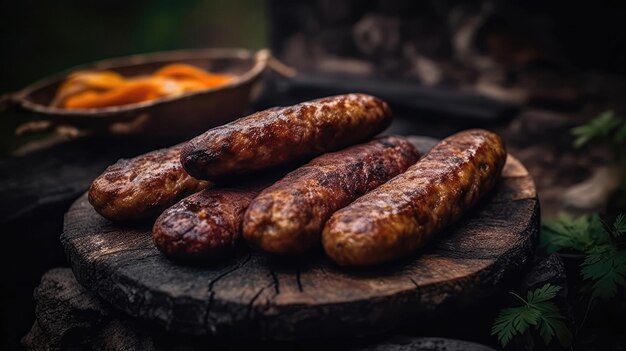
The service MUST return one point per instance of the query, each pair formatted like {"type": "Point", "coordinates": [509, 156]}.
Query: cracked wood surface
{"type": "Point", "coordinates": [259, 296]}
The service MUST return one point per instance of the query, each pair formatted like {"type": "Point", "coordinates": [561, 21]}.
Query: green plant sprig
{"type": "Point", "coordinates": [604, 265]}
{"type": "Point", "coordinates": [537, 311]}
{"type": "Point", "coordinates": [608, 128]}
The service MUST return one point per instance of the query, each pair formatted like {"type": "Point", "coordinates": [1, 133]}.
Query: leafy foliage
{"type": "Point", "coordinates": [605, 267]}
{"type": "Point", "coordinates": [600, 127]}
{"type": "Point", "coordinates": [606, 127]}
{"type": "Point", "coordinates": [513, 321]}
{"type": "Point", "coordinates": [619, 226]}
{"type": "Point", "coordinates": [573, 234]}
{"type": "Point", "coordinates": [539, 312]}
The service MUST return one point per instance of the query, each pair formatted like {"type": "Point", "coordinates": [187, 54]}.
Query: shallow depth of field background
{"type": "Point", "coordinates": [41, 38]}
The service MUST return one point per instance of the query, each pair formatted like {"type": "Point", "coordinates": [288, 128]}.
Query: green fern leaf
{"type": "Point", "coordinates": [573, 234]}
{"type": "Point", "coordinates": [552, 324]}
{"type": "Point", "coordinates": [619, 226]}
{"type": "Point", "coordinates": [605, 267]}
{"type": "Point", "coordinates": [513, 321]}
{"type": "Point", "coordinates": [545, 293]}
{"type": "Point", "coordinates": [537, 312]}
{"type": "Point", "coordinates": [599, 127]}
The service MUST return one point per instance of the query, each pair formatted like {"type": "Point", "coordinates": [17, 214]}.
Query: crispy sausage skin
{"type": "Point", "coordinates": [403, 214]}
{"type": "Point", "coordinates": [279, 135]}
{"type": "Point", "coordinates": [142, 187]}
{"type": "Point", "coordinates": [288, 217]}
{"type": "Point", "coordinates": [204, 226]}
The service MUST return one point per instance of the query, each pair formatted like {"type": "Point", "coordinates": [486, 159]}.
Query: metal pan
{"type": "Point", "coordinates": [183, 115]}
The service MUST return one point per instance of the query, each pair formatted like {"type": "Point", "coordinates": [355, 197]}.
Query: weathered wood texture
{"type": "Point", "coordinates": [253, 295]}
{"type": "Point", "coordinates": [69, 317]}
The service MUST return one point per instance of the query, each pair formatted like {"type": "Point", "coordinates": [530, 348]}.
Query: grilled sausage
{"type": "Point", "coordinates": [203, 226]}
{"type": "Point", "coordinates": [288, 217]}
{"type": "Point", "coordinates": [142, 187]}
{"type": "Point", "coordinates": [403, 214]}
{"type": "Point", "coordinates": [284, 134]}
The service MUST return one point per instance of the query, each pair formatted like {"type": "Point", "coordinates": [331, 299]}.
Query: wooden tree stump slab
{"type": "Point", "coordinates": [257, 296]}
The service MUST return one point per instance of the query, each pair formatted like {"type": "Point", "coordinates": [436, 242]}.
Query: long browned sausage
{"type": "Point", "coordinates": [403, 214]}
{"type": "Point", "coordinates": [142, 187]}
{"type": "Point", "coordinates": [288, 217]}
{"type": "Point", "coordinates": [204, 226]}
{"type": "Point", "coordinates": [284, 134]}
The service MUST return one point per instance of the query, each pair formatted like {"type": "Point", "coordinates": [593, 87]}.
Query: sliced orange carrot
{"type": "Point", "coordinates": [82, 81]}
{"type": "Point", "coordinates": [128, 93]}
{"type": "Point", "coordinates": [96, 79]}
{"type": "Point", "coordinates": [92, 89]}
{"type": "Point", "coordinates": [188, 85]}
{"type": "Point", "coordinates": [181, 71]}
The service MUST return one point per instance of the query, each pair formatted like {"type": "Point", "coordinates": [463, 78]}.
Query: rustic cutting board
{"type": "Point", "coordinates": [254, 295]}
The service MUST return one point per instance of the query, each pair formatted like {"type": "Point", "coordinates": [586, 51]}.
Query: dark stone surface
{"type": "Point", "coordinates": [424, 344]}
{"type": "Point", "coordinates": [549, 269]}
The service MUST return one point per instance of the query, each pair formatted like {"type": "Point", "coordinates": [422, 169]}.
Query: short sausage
{"type": "Point", "coordinates": [143, 186]}
{"type": "Point", "coordinates": [204, 226]}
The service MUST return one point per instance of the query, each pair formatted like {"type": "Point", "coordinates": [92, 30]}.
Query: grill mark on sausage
{"type": "Point", "coordinates": [204, 226]}
{"type": "Point", "coordinates": [405, 213]}
{"type": "Point", "coordinates": [288, 217]}
{"type": "Point", "coordinates": [278, 135]}
{"type": "Point", "coordinates": [143, 186]}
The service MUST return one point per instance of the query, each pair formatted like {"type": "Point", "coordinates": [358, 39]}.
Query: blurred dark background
{"type": "Point", "coordinates": [422, 41]}
{"type": "Point", "coordinates": [556, 63]}
{"type": "Point", "coordinates": [41, 38]}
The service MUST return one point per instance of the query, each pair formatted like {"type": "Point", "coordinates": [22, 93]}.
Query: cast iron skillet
{"type": "Point", "coordinates": [183, 115]}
